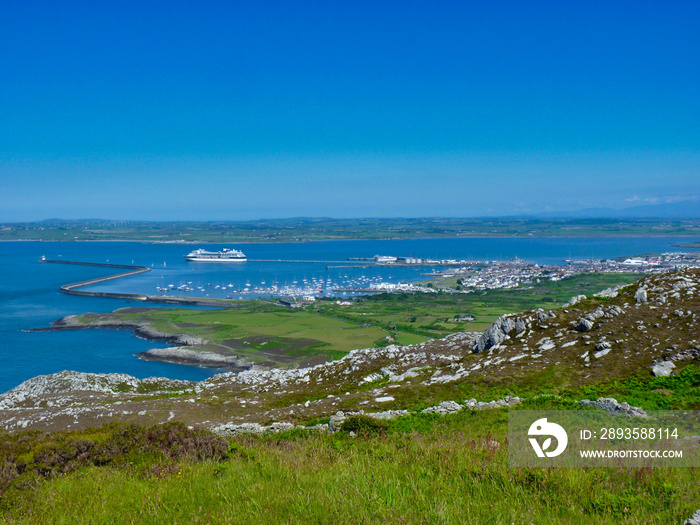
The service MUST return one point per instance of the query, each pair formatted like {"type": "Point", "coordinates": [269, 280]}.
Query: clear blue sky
{"type": "Point", "coordinates": [243, 110]}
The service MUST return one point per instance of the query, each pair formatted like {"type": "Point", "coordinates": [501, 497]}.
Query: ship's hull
{"type": "Point", "coordinates": [217, 259]}
{"type": "Point", "coordinates": [224, 255]}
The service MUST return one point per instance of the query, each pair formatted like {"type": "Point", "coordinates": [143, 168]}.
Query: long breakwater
{"type": "Point", "coordinates": [72, 288]}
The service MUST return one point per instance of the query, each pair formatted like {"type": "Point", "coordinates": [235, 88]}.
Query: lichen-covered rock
{"type": "Point", "coordinates": [495, 334]}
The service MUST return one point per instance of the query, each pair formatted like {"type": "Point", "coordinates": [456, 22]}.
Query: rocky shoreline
{"type": "Point", "coordinates": [144, 330]}
{"type": "Point", "coordinates": [183, 352]}
{"type": "Point", "coordinates": [186, 356]}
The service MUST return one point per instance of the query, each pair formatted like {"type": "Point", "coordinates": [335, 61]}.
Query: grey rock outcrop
{"type": "Point", "coordinates": [614, 311]}
{"type": "Point", "coordinates": [610, 293]}
{"type": "Point", "coordinates": [63, 387]}
{"type": "Point", "coordinates": [495, 334]}
{"type": "Point", "coordinates": [614, 408]}
{"type": "Point", "coordinates": [602, 345]}
{"type": "Point", "coordinates": [690, 353]}
{"type": "Point", "coordinates": [197, 357]}
{"type": "Point", "coordinates": [575, 300]}
{"type": "Point", "coordinates": [251, 428]}
{"type": "Point", "coordinates": [141, 329]}
{"type": "Point", "coordinates": [695, 520]}
{"type": "Point", "coordinates": [595, 314]}
{"type": "Point", "coordinates": [446, 407]}
{"type": "Point", "coordinates": [582, 324]}
{"type": "Point", "coordinates": [508, 401]}
{"type": "Point", "coordinates": [641, 296]}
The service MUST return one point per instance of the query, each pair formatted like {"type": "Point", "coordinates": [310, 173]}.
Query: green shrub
{"type": "Point", "coordinates": [364, 425]}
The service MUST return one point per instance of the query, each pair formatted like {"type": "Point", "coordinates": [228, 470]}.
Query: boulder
{"type": "Point", "coordinates": [614, 311]}
{"type": "Point", "coordinates": [695, 520]}
{"type": "Point", "coordinates": [664, 368]}
{"type": "Point", "coordinates": [609, 292]}
{"type": "Point", "coordinates": [582, 324]}
{"type": "Point", "coordinates": [601, 353]}
{"type": "Point", "coordinates": [641, 296]}
{"type": "Point", "coordinates": [595, 314]}
{"type": "Point", "coordinates": [575, 300]}
{"type": "Point", "coordinates": [495, 334]}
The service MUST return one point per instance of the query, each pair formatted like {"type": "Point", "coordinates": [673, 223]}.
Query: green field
{"type": "Point", "coordinates": [271, 334]}
{"type": "Point", "coordinates": [264, 332]}
{"type": "Point", "coordinates": [432, 315]}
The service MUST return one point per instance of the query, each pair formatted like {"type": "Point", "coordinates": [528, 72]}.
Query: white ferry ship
{"type": "Point", "coordinates": [224, 255]}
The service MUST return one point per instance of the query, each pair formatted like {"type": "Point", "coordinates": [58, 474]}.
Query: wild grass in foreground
{"type": "Point", "coordinates": [418, 469]}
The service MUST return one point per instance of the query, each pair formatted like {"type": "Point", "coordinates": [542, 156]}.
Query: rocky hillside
{"type": "Point", "coordinates": [646, 329]}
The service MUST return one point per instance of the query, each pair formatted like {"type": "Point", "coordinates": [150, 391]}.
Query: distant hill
{"type": "Point", "coordinates": [677, 210]}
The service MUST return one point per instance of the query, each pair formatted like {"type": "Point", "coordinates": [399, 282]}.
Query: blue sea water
{"type": "Point", "coordinates": [30, 297]}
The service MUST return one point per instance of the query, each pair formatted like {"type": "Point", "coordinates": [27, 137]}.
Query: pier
{"type": "Point", "coordinates": [298, 261]}
{"type": "Point", "coordinates": [72, 288]}
{"type": "Point", "coordinates": [357, 262]}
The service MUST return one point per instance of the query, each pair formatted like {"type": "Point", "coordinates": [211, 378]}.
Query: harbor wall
{"type": "Point", "coordinates": [72, 288]}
